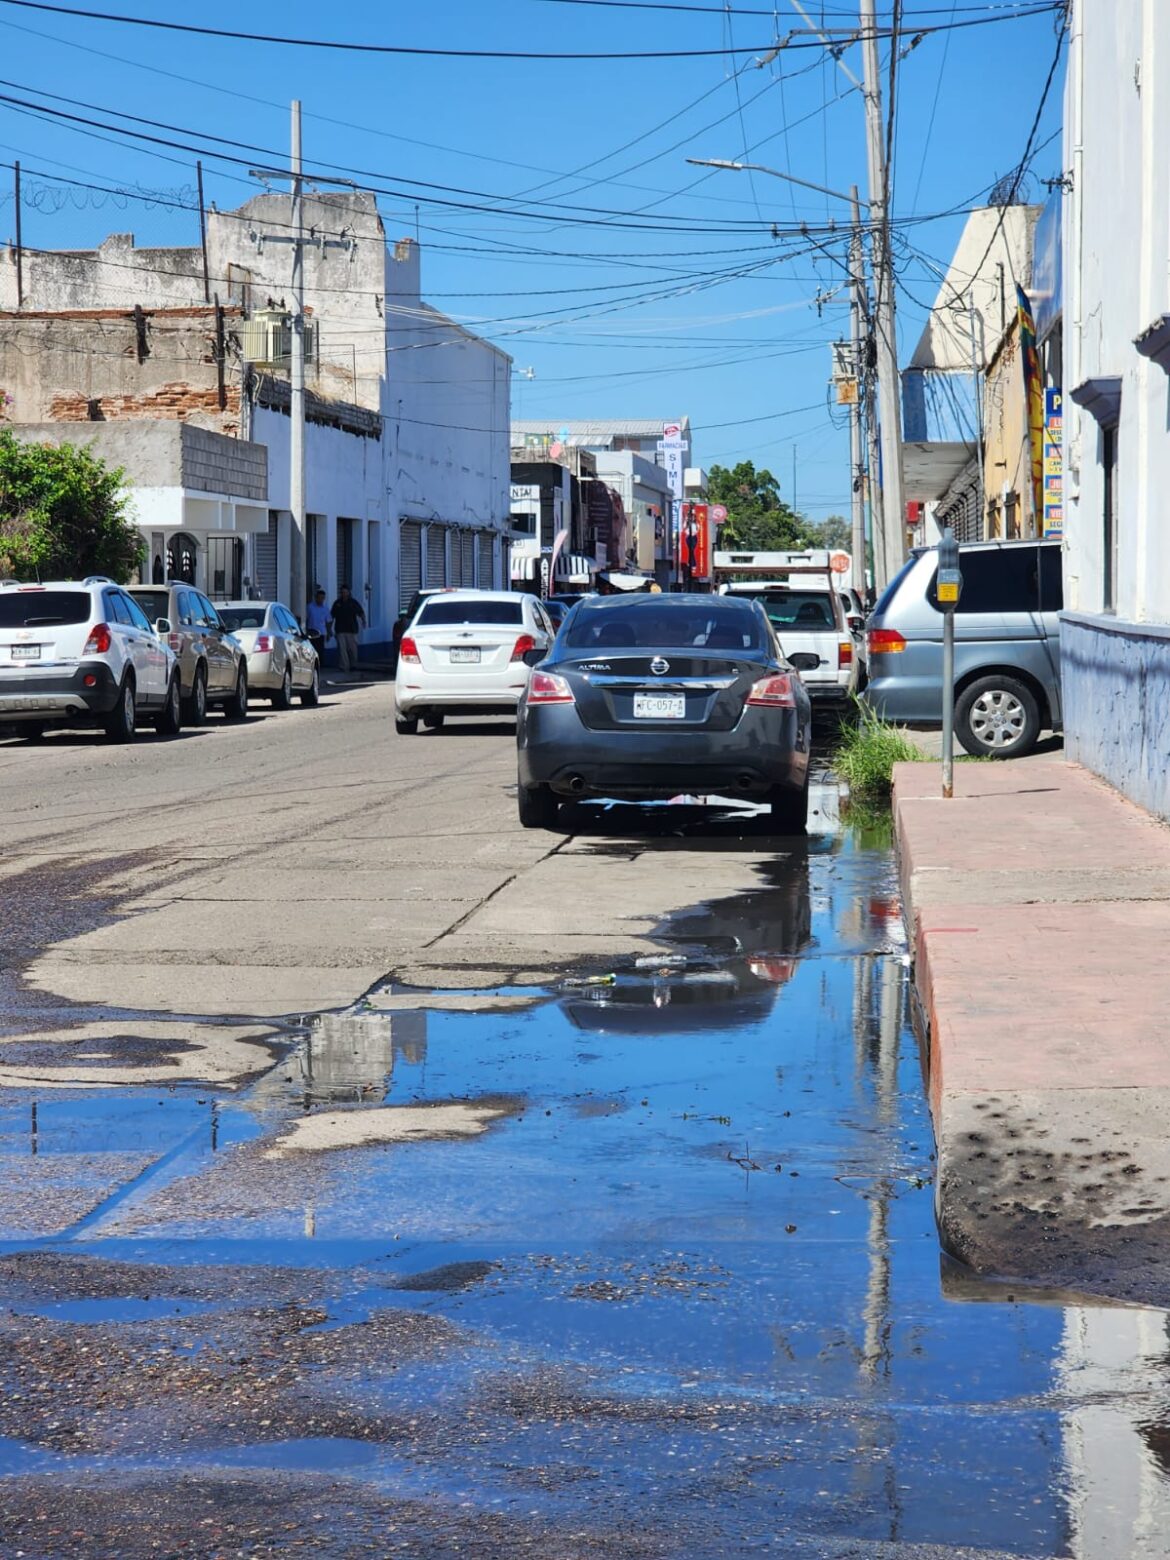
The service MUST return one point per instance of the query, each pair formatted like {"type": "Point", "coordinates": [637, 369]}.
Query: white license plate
{"type": "Point", "coordinates": [26, 652]}
{"type": "Point", "coordinates": [660, 706]}
{"type": "Point", "coordinates": [466, 657]}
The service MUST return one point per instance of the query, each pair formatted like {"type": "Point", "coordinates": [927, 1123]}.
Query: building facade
{"type": "Point", "coordinates": [1116, 341]}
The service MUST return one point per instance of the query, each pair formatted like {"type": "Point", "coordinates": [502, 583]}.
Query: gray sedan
{"type": "Point", "coordinates": [656, 696]}
{"type": "Point", "coordinates": [281, 659]}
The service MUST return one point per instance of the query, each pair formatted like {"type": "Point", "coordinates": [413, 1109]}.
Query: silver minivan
{"type": "Point", "coordinates": [1007, 646]}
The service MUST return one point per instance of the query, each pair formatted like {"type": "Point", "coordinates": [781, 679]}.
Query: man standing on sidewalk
{"type": "Point", "coordinates": [317, 623]}
{"type": "Point", "coordinates": [348, 621]}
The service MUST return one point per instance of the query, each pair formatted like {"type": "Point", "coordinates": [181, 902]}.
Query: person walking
{"type": "Point", "coordinates": [349, 619]}
{"type": "Point", "coordinates": [318, 623]}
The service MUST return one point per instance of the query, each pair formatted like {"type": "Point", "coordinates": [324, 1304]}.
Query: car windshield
{"type": "Point", "coordinates": [434, 614]}
{"type": "Point", "coordinates": [243, 617]}
{"type": "Point", "coordinates": [799, 609]}
{"type": "Point", "coordinates": [647, 625]}
{"type": "Point", "coordinates": [43, 608]}
{"type": "Point", "coordinates": [155, 603]}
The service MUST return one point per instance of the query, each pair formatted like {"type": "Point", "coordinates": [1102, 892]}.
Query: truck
{"type": "Point", "coordinates": [809, 601]}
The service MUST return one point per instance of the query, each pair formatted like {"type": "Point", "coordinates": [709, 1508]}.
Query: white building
{"type": "Point", "coordinates": [407, 439]}
{"type": "Point", "coordinates": [1116, 324]}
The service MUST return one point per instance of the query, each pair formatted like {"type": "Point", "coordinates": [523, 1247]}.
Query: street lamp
{"type": "Point", "coordinates": [888, 558]}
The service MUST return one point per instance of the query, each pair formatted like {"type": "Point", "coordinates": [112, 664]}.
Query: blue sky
{"type": "Point", "coordinates": [566, 162]}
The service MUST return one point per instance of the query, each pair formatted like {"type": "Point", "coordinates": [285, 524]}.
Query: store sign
{"type": "Point", "coordinates": [1053, 475]}
{"type": "Point", "coordinates": [674, 452]}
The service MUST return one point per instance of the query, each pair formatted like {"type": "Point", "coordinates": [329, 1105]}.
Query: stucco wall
{"type": "Point", "coordinates": [158, 454]}
{"type": "Point", "coordinates": [1116, 679]}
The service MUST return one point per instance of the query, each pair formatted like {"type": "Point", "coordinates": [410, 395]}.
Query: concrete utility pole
{"type": "Point", "coordinates": [889, 383]}
{"type": "Point", "coordinates": [856, 458]}
{"type": "Point", "coordinates": [298, 585]}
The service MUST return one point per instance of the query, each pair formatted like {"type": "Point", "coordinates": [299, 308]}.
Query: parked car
{"type": "Point", "coordinates": [556, 611]}
{"type": "Point", "coordinates": [212, 664]}
{"type": "Point", "coordinates": [404, 619]}
{"type": "Point", "coordinates": [654, 696]}
{"type": "Point", "coordinates": [83, 653]}
{"type": "Point", "coordinates": [281, 658]}
{"type": "Point", "coordinates": [1007, 646]}
{"type": "Point", "coordinates": [810, 621]}
{"type": "Point", "coordinates": [468, 652]}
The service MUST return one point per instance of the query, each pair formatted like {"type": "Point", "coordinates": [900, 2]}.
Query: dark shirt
{"type": "Point", "coordinates": [347, 616]}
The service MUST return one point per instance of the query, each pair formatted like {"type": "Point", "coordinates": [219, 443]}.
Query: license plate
{"type": "Point", "coordinates": [660, 706]}
{"type": "Point", "coordinates": [468, 656]}
{"type": "Point", "coordinates": [26, 652]}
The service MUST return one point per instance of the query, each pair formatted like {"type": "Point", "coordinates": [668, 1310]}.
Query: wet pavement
{"type": "Point", "coordinates": [639, 1262]}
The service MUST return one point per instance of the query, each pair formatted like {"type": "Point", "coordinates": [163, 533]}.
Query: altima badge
{"type": "Point", "coordinates": [658, 666]}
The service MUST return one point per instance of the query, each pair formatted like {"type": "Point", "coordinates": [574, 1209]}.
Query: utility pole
{"type": "Point", "coordinates": [298, 585]}
{"type": "Point", "coordinates": [889, 383]}
{"type": "Point", "coordinates": [856, 463]}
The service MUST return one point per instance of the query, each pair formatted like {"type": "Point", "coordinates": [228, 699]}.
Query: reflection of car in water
{"type": "Point", "coordinates": [752, 942]}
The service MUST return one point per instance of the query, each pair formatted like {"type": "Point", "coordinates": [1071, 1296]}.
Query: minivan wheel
{"type": "Point", "coordinates": [538, 806]}
{"type": "Point", "coordinates": [120, 722]}
{"type": "Point", "coordinates": [997, 717]}
{"type": "Point", "coordinates": [195, 706]}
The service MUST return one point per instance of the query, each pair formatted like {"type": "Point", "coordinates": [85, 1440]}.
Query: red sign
{"type": "Point", "coordinates": [695, 542]}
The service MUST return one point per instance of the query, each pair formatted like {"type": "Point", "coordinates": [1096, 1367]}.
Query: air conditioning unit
{"type": "Point", "coordinates": [267, 339]}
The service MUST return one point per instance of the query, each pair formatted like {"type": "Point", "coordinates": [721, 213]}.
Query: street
{"type": "Point", "coordinates": [379, 1178]}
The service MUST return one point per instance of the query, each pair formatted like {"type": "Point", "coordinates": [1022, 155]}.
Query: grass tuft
{"type": "Point", "coordinates": [866, 752]}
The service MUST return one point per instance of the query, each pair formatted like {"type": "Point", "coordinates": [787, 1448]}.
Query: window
{"type": "Point", "coordinates": [436, 613]}
{"type": "Point", "coordinates": [997, 580]}
{"type": "Point", "coordinates": [137, 617]}
{"type": "Point", "coordinates": [721, 624]}
{"type": "Point", "coordinates": [1109, 519]}
{"type": "Point", "coordinates": [116, 607]}
{"type": "Point", "coordinates": [798, 609]}
{"type": "Point", "coordinates": [155, 603]}
{"type": "Point", "coordinates": [43, 608]}
{"type": "Point", "coordinates": [242, 617]}
{"type": "Point", "coordinates": [188, 609]}
{"type": "Point", "coordinates": [205, 613]}
{"type": "Point", "coordinates": [285, 620]}
{"type": "Point", "coordinates": [1051, 579]}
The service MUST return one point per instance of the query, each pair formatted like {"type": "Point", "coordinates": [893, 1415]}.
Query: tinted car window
{"type": "Point", "coordinates": [891, 590]}
{"type": "Point", "coordinates": [155, 603]}
{"type": "Point", "coordinates": [242, 617]}
{"type": "Point", "coordinates": [137, 616]}
{"type": "Point", "coordinates": [117, 608]}
{"type": "Point", "coordinates": [436, 613]}
{"type": "Point", "coordinates": [1051, 580]}
{"type": "Point", "coordinates": [717, 625]}
{"type": "Point", "coordinates": [34, 608]}
{"type": "Point", "coordinates": [188, 608]}
{"type": "Point", "coordinates": [205, 612]}
{"type": "Point", "coordinates": [997, 580]}
{"type": "Point", "coordinates": [285, 620]}
{"type": "Point", "coordinates": [799, 609]}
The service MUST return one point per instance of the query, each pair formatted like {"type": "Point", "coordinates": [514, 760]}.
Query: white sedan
{"type": "Point", "coordinates": [281, 658]}
{"type": "Point", "coordinates": [468, 652]}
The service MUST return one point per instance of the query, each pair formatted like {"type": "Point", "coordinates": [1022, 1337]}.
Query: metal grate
{"type": "Point", "coordinates": [410, 569]}
{"type": "Point", "coordinates": [436, 555]}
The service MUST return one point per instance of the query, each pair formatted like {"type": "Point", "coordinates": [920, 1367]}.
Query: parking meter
{"type": "Point", "coordinates": [948, 588]}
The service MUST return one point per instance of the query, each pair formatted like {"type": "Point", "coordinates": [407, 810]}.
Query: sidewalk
{"type": "Point", "coordinates": [1039, 903]}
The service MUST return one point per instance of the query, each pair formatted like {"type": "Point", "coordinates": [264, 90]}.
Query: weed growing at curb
{"type": "Point", "coordinates": [865, 754]}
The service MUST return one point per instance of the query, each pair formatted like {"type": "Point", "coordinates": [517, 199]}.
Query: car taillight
{"type": "Point", "coordinates": [98, 642]}
{"type": "Point", "coordinates": [844, 654]}
{"type": "Point", "coordinates": [548, 688]}
{"type": "Point", "coordinates": [776, 692]}
{"type": "Point", "coordinates": [263, 642]}
{"type": "Point", "coordinates": [408, 650]}
{"type": "Point", "coordinates": [775, 971]}
{"type": "Point", "coordinates": [522, 647]}
{"type": "Point", "coordinates": [885, 641]}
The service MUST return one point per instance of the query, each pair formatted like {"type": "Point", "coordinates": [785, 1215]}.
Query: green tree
{"type": "Point", "coordinates": [835, 532]}
{"type": "Point", "coordinates": [62, 514]}
{"type": "Point", "coordinates": [758, 519]}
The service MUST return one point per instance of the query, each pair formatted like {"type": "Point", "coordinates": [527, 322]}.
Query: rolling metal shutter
{"type": "Point", "coordinates": [456, 575]}
{"type": "Point", "coordinates": [436, 555]}
{"type": "Point", "coordinates": [486, 573]}
{"type": "Point", "coordinates": [467, 548]}
{"type": "Point", "coordinates": [409, 562]}
{"type": "Point", "coordinates": [264, 560]}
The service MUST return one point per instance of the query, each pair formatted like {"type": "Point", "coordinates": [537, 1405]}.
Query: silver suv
{"type": "Point", "coordinates": [213, 664]}
{"type": "Point", "coordinates": [1007, 646]}
{"type": "Point", "coordinates": [83, 653]}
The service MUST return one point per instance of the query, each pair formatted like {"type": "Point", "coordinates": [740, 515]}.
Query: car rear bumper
{"type": "Point", "coordinates": [58, 695]}
{"type": "Point", "coordinates": [497, 694]}
{"type": "Point", "coordinates": [556, 750]}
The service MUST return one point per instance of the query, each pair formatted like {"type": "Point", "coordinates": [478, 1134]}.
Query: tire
{"type": "Point", "coordinates": [282, 699]}
{"type": "Point", "coordinates": [789, 808]}
{"type": "Point", "coordinates": [169, 721]}
{"type": "Point", "coordinates": [236, 708]}
{"type": "Point", "coordinates": [997, 717]}
{"type": "Point", "coordinates": [406, 726]}
{"type": "Point", "coordinates": [121, 722]}
{"type": "Point", "coordinates": [538, 807]}
{"type": "Point", "coordinates": [434, 721]}
{"type": "Point", "coordinates": [33, 732]}
{"type": "Point", "coordinates": [195, 705]}
{"type": "Point", "coordinates": [311, 696]}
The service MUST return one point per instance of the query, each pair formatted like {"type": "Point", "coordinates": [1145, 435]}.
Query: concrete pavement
{"type": "Point", "coordinates": [1040, 909]}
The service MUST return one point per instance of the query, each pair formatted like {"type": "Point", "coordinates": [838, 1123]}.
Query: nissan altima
{"type": "Point", "coordinates": [655, 696]}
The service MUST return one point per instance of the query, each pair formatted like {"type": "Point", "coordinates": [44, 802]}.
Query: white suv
{"type": "Point", "coordinates": [83, 653]}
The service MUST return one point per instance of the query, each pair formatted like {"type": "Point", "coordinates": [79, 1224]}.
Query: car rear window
{"type": "Point", "coordinates": [242, 617]}
{"type": "Point", "coordinates": [799, 608]}
{"type": "Point", "coordinates": [155, 603]}
{"type": "Point", "coordinates": [717, 625]}
{"type": "Point", "coordinates": [435, 613]}
{"type": "Point", "coordinates": [1005, 579]}
{"type": "Point", "coordinates": [37, 608]}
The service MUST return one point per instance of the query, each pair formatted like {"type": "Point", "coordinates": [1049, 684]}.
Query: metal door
{"type": "Point", "coordinates": [456, 575]}
{"type": "Point", "coordinates": [467, 549]}
{"type": "Point", "coordinates": [487, 578]}
{"type": "Point", "coordinates": [436, 556]}
{"type": "Point", "coordinates": [409, 562]}
{"type": "Point", "coordinates": [264, 555]}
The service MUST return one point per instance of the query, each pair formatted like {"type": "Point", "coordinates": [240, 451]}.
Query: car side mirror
{"type": "Point", "coordinates": [534, 657]}
{"type": "Point", "coordinates": [162, 625]}
{"type": "Point", "coordinates": [857, 625]}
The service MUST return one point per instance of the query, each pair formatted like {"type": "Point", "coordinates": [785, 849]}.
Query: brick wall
{"type": "Point", "coordinates": [176, 400]}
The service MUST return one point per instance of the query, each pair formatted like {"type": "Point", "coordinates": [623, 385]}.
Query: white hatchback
{"type": "Point", "coordinates": [468, 652]}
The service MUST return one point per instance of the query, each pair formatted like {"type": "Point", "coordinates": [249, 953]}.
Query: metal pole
{"type": "Point", "coordinates": [948, 709]}
{"type": "Point", "coordinates": [877, 529]}
{"type": "Point", "coordinates": [889, 383]}
{"type": "Point", "coordinates": [19, 245]}
{"type": "Point", "coordinates": [296, 477]}
{"type": "Point", "coordinates": [203, 233]}
{"type": "Point", "coordinates": [855, 456]}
